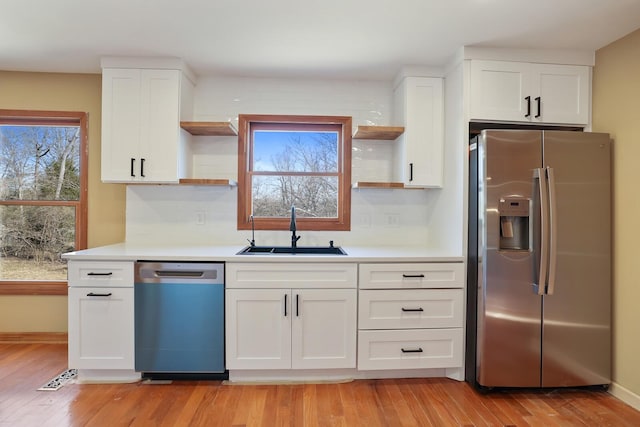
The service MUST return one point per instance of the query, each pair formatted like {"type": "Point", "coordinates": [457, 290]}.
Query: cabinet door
{"type": "Point", "coordinates": [499, 91]}
{"type": "Point", "coordinates": [258, 328]}
{"type": "Point", "coordinates": [120, 123]}
{"type": "Point", "coordinates": [101, 329]}
{"type": "Point", "coordinates": [419, 150]}
{"type": "Point", "coordinates": [527, 92]}
{"type": "Point", "coordinates": [140, 125]}
{"type": "Point", "coordinates": [564, 94]}
{"type": "Point", "coordinates": [324, 328]}
{"type": "Point", "coordinates": [160, 126]}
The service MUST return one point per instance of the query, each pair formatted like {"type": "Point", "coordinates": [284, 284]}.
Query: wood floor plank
{"type": "Point", "coordinates": [369, 411]}
{"type": "Point", "coordinates": [392, 402]}
{"type": "Point", "coordinates": [440, 408]}
{"type": "Point", "coordinates": [310, 406]}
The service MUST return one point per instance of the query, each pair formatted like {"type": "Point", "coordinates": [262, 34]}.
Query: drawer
{"type": "Point", "coordinates": [410, 308]}
{"type": "Point", "coordinates": [411, 275]}
{"type": "Point", "coordinates": [410, 349]}
{"type": "Point", "coordinates": [289, 275]}
{"type": "Point", "coordinates": [100, 273]}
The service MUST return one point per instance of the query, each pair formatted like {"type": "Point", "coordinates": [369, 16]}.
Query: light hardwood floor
{"type": "Point", "coordinates": [407, 402]}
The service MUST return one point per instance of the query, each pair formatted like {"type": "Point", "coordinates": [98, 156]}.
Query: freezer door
{"type": "Point", "coordinates": [577, 315]}
{"type": "Point", "coordinates": [508, 309]}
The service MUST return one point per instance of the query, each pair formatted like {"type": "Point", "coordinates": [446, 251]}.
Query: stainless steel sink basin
{"type": "Point", "coordinates": [288, 250]}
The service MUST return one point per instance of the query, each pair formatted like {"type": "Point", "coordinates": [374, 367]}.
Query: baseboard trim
{"type": "Point", "coordinates": [34, 337]}
{"type": "Point", "coordinates": [626, 395]}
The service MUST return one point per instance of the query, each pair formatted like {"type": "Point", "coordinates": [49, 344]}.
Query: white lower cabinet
{"type": "Point", "coordinates": [410, 316]}
{"type": "Point", "coordinates": [410, 349]}
{"type": "Point", "coordinates": [101, 321]}
{"type": "Point", "coordinates": [290, 328]}
{"type": "Point", "coordinates": [419, 308]}
{"type": "Point", "coordinates": [324, 328]}
{"type": "Point", "coordinates": [101, 329]}
{"type": "Point", "coordinates": [258, 331]}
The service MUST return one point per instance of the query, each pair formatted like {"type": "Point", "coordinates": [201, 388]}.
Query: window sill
{"type": "Point", "coordinates": [32, 288]}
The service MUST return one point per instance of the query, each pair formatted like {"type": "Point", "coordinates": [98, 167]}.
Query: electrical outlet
{"type": "Point", "coordinates": [365, 220]}
{"type": "Point", "coordinates": [392, 220]}
{"type": "Point", "coordinates": [201, 218]}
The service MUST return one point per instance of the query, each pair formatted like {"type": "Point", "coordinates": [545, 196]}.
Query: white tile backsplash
{"type": "Point", "coordinates": [171, 213]}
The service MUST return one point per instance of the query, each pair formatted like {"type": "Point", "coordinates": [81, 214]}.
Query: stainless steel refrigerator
{"type": "Point", "coordinates": [539, 267]}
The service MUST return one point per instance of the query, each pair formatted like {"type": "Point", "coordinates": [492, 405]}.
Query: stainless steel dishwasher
{"type": "Point", "coordinates": [179, 320]}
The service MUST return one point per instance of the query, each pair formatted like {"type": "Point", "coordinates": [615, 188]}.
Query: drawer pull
{"type": "Point", "coordinates": [413, 276]}
{"type": "Point", "coordinates": [100, 274]}
{"type": "Point", "coordinates": [412, 309]}
{"type": "Point", "coordinates": [285, 305]}
{"type": "Point", "coordinates": [91, 294]}
{"type": "Point", "coordinates": [412, 350]}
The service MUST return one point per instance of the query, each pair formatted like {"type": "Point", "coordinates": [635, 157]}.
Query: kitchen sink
{"type": "Point", "coordinates": [288, 250]}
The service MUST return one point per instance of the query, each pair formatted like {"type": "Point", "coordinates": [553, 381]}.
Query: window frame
{"type": "Point", "coordinates": [289, 122]}
{"type": "Point", "coordinates": [52, 118]}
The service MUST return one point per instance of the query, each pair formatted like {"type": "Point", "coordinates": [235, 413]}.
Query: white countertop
{"type": "Point", "coordinates": [168, 252]}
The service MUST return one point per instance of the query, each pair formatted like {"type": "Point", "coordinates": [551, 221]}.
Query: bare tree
{"type": "Point", "coordinates": [65, 144]}
{"type": "Point", "coordinates": [313, 195]}
{"type": "Point", "coordinates": [38, 163]}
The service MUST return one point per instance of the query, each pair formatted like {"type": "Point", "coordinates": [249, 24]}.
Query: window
{"type": "Point", "coordinates": [301, 161]}
{"type": "Point", "coordinates": [43, 198]}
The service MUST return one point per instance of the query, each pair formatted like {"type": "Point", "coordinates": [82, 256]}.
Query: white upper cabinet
{"type": "Point", "coordinates": [141, 125]}
{"type": "Point", "coordinates": [528, 92]}
{"type": "Point", "coordinates": [418, 151]}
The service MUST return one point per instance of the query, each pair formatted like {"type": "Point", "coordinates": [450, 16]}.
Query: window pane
{"type": "Point", "coordinates": [295, 151]}
{"type": "Point", "coordinates": [32, 239]}
{"type": "Point", "coordinates": [312, 196]}
{"type": "Point", "coordinates": [39, 162]}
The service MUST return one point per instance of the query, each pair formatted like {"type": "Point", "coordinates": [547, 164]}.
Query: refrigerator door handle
{"type": "Point", "coordinates": [541, 176]}
{"type": "Point", "coordinates": [553, 230]}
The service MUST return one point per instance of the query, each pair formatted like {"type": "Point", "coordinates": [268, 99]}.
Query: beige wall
{"type": "Point", "coordinates": [616, 110]}
{"type": "Point", "coordinates": [64, 92]}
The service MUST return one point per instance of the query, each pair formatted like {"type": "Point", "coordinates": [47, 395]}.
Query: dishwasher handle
{"type": "Point", "coordinates": [179, 272]}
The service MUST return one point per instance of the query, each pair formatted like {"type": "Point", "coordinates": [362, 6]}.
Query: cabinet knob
{"type": "Point", "coordinates": [528, 99]}
{"type": "Point", "coordinates": [133, 162]}
{"type": "Point", "coordinates": [538, 103]}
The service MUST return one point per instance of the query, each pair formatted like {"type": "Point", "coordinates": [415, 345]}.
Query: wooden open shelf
{"type": "Point", "coordinates": [388, 133]}
{"type": "Point", "coordinates": [209, 128]}
{"type": "Point", "coordinates": [365, 184]}
{"type": "Point", "coordinates": [200, 181]}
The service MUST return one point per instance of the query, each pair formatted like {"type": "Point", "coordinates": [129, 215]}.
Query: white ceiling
{"type": "Point", "coordinates": [369, 39]}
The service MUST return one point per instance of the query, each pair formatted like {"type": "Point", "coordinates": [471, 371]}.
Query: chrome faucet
{"type": "Point", "coordinates": [292, 228]}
